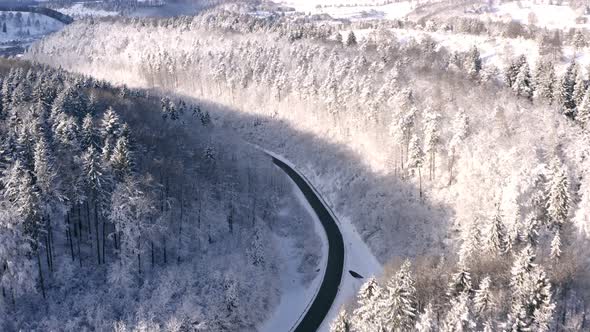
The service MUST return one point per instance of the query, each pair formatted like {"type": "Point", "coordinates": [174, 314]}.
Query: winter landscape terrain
{"type": "Point", "coordinates": [295, 165]}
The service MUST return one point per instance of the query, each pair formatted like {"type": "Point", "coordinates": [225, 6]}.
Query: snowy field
{"type": "Point", "coordinates": [545, 15]}
{"type": "Point", "coordinates": [352, 9]}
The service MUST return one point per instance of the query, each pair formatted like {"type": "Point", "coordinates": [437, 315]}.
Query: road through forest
{"type": "Point", "coordinates": [330, 285]}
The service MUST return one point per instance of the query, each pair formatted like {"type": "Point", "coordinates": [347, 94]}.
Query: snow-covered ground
{"type": "Point", "coordinates": [363, 9]}
{"type": "Point", "coordinates": [541, 14]}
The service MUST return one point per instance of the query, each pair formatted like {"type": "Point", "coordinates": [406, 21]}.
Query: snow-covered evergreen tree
{"type": "Point", "coordinates": [365, 318]}
{"type": "Point", "coordinates": [496, 240]}
{"type": "Point", "coordinates": [556, 246]}
{"type": "Point", "coordinates": [431, 138]}
{"type": "Point", "coordinates": [545, 81]}
{"type": "Point", "coordinates": [351, 39]}
{"type": "Point", "coordinates": [564, 95]}
{"type": "Point", "coordinates": [483, 301]}
{"type": "Point", "coordinates": [459, 318]}
{"type": "Point", "coordinates": [121, 159]}
{"type": "Point", "coordinates": [558, 196]}
{"type": "Point", "coordinates": [416, 159]}
{"type": "Point", "coordinates": [341, 323]}
{"type": "Point", "coordinates": [88, 133]}
{"type": "Point", "coordinates": [397, 307]}
{"type": "Point", "coordinates": [473, 62]}
{"type": "Point", "coordinates": [470, 242]}
{"type": "Point", "coordinates": [579, 89]}
{"type": "Point", "coordinates": [426, 320]}
{"type": "Point", "coordinates": [459, 282]}
{"type": "Point", "coordinates": [522, 84]}
{"type": "Point", "coordinates": [583, 114]}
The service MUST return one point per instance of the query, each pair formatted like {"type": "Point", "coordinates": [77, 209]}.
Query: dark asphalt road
{"type": "Point", "coordinates": [329, 288]}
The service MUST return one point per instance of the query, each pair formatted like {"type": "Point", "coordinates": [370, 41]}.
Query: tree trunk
{"type": "Point", "coordinates": [88, 218]}
{"type": "Point", "coordinates": [153, 258]}
{"type": "Point", "coordinates": [165, 254]}
{"type": "Point", "coordinates": [41, 281]}
{"type": "Point", "coordinates": [96, 231]}
{"type": "Point", "coordinates": [79, 210]}
{"type": "Point", "coordinates": [69, 235]}
{"type": "Point", "coordinates": [139, 255]}
{"type": "Point", "coordinates": [47, 251]}
{"type": "Point", "coordinates": [179, 250]}
{"type": "Point", "coordinates": [420, 180]}
{"type": "Point", "coordinates": [104, 226]}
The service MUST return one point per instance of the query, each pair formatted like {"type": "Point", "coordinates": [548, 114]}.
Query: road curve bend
{"type": "Point", "coordinates": [330, 285]}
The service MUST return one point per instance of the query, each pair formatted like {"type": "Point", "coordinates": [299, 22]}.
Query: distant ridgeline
{"type": "Point", "coordinates": [32, 7]}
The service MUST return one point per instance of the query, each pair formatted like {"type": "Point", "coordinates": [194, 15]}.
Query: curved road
{"type": "Point", "coordinates": [333, 275]}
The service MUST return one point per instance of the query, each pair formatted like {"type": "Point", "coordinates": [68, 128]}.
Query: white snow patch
{"type": "Point", "coordinates": [79, 10]}
{"type": "Point", "coordinates": [542, 14]}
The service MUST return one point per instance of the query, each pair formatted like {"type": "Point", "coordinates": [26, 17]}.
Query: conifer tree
{"type": "Point", "coordinates": [432, 139]}
{"type": "Point", "coordinates": [96, 185]}
{"type": "Point", "coordinates": [460, 282]}
{"type": "Point", "coordinates": [470, 242]}
{"type": "Point", "coordinates": [459, 317]}
{"type": "Point", "coordinates": [88, 133]}
{"type": "Point", "coordinates": [496, 242]}
{"type": "Point", "coordinates": [579, 89]}
{"type": "Point", "coordinates": [545, 81]}
{"type": "Point", "coordinates": [473, 63]}
{"type": "Point", "coordinates": [341, 323]}
{"type": "Point", "coordinates": [565, 90]}
{"type": "Point", "coordinates": [426, 321]}
{"type": "Point", "coordinates": [483, 301]}
{"type": "Point", "coordinates": [397, 307]}
{"type": "Point", "coordinates": [416, 159]}
{"type": "Point", "coordinates": [121, 159]}
{"type": "Point", "coordinates": [556, 246]}
{"type": "Point", "coordinates": [583, 115]}
{"type": "Point", "coordinates": [365, 316]}
{"type": "Point", "coordinates": [351, 39]}
{"type": "Point", "coordinates": [522, 84]}
{"type": "Point", "coordinates": [558, 197]}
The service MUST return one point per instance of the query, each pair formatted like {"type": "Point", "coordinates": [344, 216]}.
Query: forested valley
{"type": "Point", "coordinates": [122, 209]}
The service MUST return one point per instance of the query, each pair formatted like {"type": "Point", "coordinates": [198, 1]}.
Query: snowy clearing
{"type": "Point", "coordinates": [544, 15]}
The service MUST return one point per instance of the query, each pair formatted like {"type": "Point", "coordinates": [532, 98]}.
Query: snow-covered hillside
{"type": "Point", "coordinates": [25, 26]}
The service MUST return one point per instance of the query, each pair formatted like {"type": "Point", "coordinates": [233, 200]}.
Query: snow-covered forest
{"type": "Point", "coordinates": [126, 211]}
{"type": "Point", "coordinates": [476, 174]}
